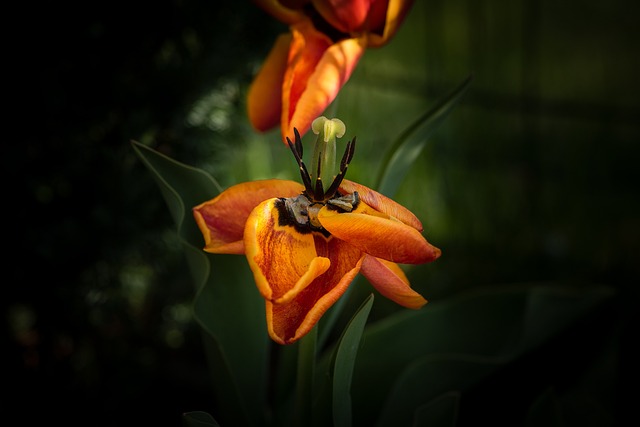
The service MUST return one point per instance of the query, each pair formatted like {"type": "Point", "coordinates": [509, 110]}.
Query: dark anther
{"type": "Point", "coordinates": [297, 153]}
{"type": "Point", "coordinates": [344, 164]}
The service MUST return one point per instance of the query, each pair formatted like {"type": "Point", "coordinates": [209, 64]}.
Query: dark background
{"type": "Point", "coordinates": [96, 307]}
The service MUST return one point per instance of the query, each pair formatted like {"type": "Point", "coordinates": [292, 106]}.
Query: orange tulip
{"type": "Point", "coordinates": [308, 66]}
{"type": "Point", "coordinates": [305, 244]}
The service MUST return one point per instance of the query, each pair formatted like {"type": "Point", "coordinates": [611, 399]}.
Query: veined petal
{"type": "Point", "coordinates": [222, 219]}
{"type": "Point", "coordinates": [381, 203]}
{"type": "Point", "coordinates": [290, 321]}
{"type": "Point", "coordinates": [288, 15]}
{"type": "Point", "coordinates": [283, 260]}
{"type": "Point", "coordinates": [317, 70]}
{"type": "Point", "coordinates": [379, 235]}
{"type": "Point", "coordinates": [264, 99]}
{"type": "Point", "coordinates": [396, 12]}
{"type": "Point", "coordinates": [389, 279]}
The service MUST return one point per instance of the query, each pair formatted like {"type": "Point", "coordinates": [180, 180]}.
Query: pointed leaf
{"type": "Point", "coordinates": [411, 142]}
{"type": "Point", "coordinates": [499, 324]}
{"type": "Point", "coordinates": [344, 363]}
{"type": "Point", "coordinates": [441, 411]}
{"type": "Point", "coordinates": [227, 305]}
{"type": "Point", "coordinates": [199, 419]}
{"type": "Point", "coordinates": [182, 187]}
{"type": "Point", "coordinates": [425, 380]}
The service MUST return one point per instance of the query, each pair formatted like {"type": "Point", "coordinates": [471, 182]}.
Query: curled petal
{"type": "Point", "coordinates": [288, 322]}
{"type": "Point", "coordinates": [389, 279]}
{"type": "Point", "coordinates": [316, 72]}
{"type": "Point", "coordinates": [381, 203]}
{"type": "Point", "coordinates": [264, 99]}
{"type": "Point", "coordinates": [222, 219]}
{"type": "Point", "coordinates": [283, 260]}
{"type": "Point", "coordinates": [396, 12]}
{"type": "Point", "coordinates": [378, 235]}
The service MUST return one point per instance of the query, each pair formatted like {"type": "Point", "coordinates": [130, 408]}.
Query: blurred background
{"type": "Point", "coordinates": [532, 178]}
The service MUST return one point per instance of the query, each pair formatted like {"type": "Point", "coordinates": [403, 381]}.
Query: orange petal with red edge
{"type": "Point", "coordinates": [264, 99]}
{"type": "Point", "coordinates": [378, 235]}
{"type": "Point", "coordinates": [381, 203]}
{"type": "Point", "coordinates": [396, 12]}
{"type": "Point", "coordinates": [222, 219]}
{"type": "Point", "coordinates": [289, 322]}
{"type": "Point", "coordinates": [316, 72]}
{"type": "Point", "coordinates": [389, 279]}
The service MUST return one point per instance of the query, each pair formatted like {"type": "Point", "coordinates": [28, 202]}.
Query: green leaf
{"type": "Point", "coordinates": [229, 307]}
{"type": "Point", "coordinates": [441, 411]}
{"type": "Point", "coordinates": [182, 187]}
{"type": "Point", "coordinates": [199, 419]}
{"type": "Point", "coordinates": [545, 411]}
{"type": "Point", "coordinates": [345, 360]}
{"type": "Point", "coordinates": [410, 143]}
{"type": "Point", "coordinates": [490, 326]}
{"type": "Point", "coordinates": [425, 380]}
{"type": "Point", "coordinates": [227, 304]}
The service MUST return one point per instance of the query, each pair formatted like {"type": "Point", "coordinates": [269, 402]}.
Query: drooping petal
{"type": "Point", "coordinates": [389, 279]}
{"type": "Point", "coordinates": [381, 203]}
{"type": "Point", "coordinates": [396, 11]}
{"type": "Point", "coordinates": [264, 99]}
{"type": "Point", "coordinates": [316, 71]}
{"type": "Point", "coordinates": [283, 260]}
{"type": "Point", "coordinates": [222, 219]}
{"type": "Point", "coordinates": [378, 234]}
{"type": "Point", "coordinates": [290, 321]}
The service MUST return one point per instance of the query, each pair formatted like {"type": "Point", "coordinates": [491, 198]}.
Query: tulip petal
{"type": "Point", "coordinates": [264, 99]}
{"type": "Point", "coordinates": [396, 11]}
{"type": "Point", "coordinates": [346, 16]}
{"type": "Point", "coordinates": [290, 321]}
{"type": "Point", "coordinates": [283, 260]}
{"type": "Point", "coordinates": [378, 234]}
{"type": "Point", "coordinates": [381, 203]}
{"type": "Point", "coordinates": [316, 71]}
{"type": "Point", "coordinates": [389, 279]}
{"type": "Point", "coordinates": [222, 219]}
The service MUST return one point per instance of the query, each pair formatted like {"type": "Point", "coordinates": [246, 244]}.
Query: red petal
{"type": "Point", "coordinates": [346, 16]}
{"type": "Point", "coordinates": [222, 219]}
{"type": "Point", "coordinates": [389, 279]}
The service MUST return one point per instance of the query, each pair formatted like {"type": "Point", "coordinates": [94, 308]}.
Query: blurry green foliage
{"type": "Point", "coordinates": [532, 178]}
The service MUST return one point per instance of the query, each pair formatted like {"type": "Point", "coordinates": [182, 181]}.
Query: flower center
{"type": "Point", "coordinates": [302, 211]}
{"type": "Point", "coordinates": [324, 159]}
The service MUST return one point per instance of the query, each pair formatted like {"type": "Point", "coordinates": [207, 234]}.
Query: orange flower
{"type": "Point", "coordinates": [308, 66]}
{"type": "Point", "coordinates": [306, 244]}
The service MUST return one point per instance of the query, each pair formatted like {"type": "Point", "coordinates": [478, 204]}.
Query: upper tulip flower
{"type": "Point", "coordinates": [306, 67]}
{"type": "Point", "coordinates": [306, 243]}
